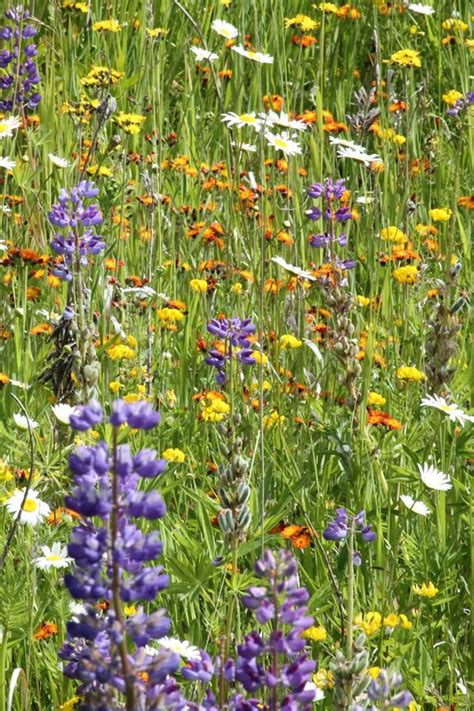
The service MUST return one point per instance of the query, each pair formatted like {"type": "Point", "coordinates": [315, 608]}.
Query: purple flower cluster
{"type": "Point", "coordinates": [331, 192]}
{"type": "Point", "coordinates": [235, 333]}
{"type": "Point", "coordinates": [338, 529]}
{"type": "Point", "coordinates": [383, 691]}
{"type": "Point", "coordinates": [20, 77]}
{"type": "Point", "coordinates": [273, 669]}
{"type": "Point", "coordinates": [461, 104]}
{"type": "Point", "coordinates": [113, 560]}
{"type": "Point", "coordinates": [78, 220]}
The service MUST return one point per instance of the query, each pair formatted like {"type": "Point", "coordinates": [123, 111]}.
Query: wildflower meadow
{"type": "Point", "coordinates": [236, 355]}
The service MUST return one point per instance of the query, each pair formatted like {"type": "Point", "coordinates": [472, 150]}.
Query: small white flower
{"type": "Point", "coordinates": [203, 54]}
{"type": "Point", "coordinates": [249, 147]}
{"type": "Point", "coordinates": [182, 648]}
{"type": "Point", "coordinates": [416, 506]}
{"type": "Point", "coordinates": [283, 120]}
{"type": "Point", "coordinates": [282, 142]}
{"type": "Point", "coordinates": [351, 150]}
{"type": "Point", "coordinates": [259, 57]}
{"type": "Point", "coordinates": [33, 510]}
{"type": "Point", "coordinates": [297, 271]}
{"type": "Point", "coordinates": [18, 384]}
{"type": "Point", "coordinates": [8, 125]}
{"type": "Point", "coordinates": [365, 200]}
{"type": "Point", "coordinates": [225, 29]}
{"type": "Point", "coordinates": [58, 161]}
{"type": "Point", "coordinates": [421, 9]}
{"type": "Point", "coordinates": [54, 557]}
{"type": "Point", "coordinates": [77, 608]}
{"type": "Point", "coordinates": [240, 120]}
{"type": "Point", "coordinates": [434, 478]}
{"type": "Point", "coordinates": [62, 411]}
{"type": "Point", "coordinates": [23, 422]}
{"type": "Point", "coordinates": [7, 163]}
{"type": "Point", "coordinates": [454, 412]}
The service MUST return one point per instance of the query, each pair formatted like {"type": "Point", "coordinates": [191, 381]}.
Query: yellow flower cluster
{"type": "Point", "coordinates": [373, 622]}
{"type": "Point", "coordinates": [107, 26]}
{"type": "Point", "coordinates": [440, 214]}
{"type": "Point", "coordinates": [324, 679]}
{"type": "Point", "coordinates": [214, 410]}
{"type": "Point", "coordinates": [406, 372]}
{"type": "Point", "coordinates": [102, 77]}
{"type": "Point", "coordinates": [290, 341]}
{"type": "Point", "coordinates": [130, 123]}
{"type": "Point", "coordinates": [273, 419]}
{"type": "Point", "coordinates": [315, 634]}
{"type": "Point", "coordinates": [174, 455]}
{"type": "Point", "coordinates": [454, 24]}
{"type": "Point", "coordinates": [406, 275]}
{"type": "Point", "coordinates": [375, 399]}
{"type": "Point", "coordinates": [425, 590]}
{"type": "Point", "coordinates": [406, 58]}
{"type": "Point", "coordinates": [305, 23]}
{"type": "Point", "coordinates": [198, 285]}
{"type": "Point", "coordinates": [452, 96]}
{"type": "Point", "coordinates": [120, 351]}
{"type": "Point", "coordinates": [393, 234]}
{"type": "Point", "coordinates": [168, 315]}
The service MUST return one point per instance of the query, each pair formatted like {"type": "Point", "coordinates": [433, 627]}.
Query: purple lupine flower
{"type": "Point", "coordinates": [383, 690]}
{"type": "Point", "coordinates": [113, 557]}
{"type": "Point", "coordinates": [235, 333]}
{"type": "Point", "coordinates": [463, 103]}
{"type": "Point", "coordinates": [338, 529]}
{"type": "Point", "coordinates": [19, 81]}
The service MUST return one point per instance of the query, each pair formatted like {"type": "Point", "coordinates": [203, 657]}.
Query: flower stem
{"type": "Point", "coordinates": [350, 592]}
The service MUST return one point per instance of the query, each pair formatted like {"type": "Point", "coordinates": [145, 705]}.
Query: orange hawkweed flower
{"type": "Point", "coordinates": [377, 417]}
{"type": "Point", "coordinates": [45, 630]}
{"type": "Point", "coordinates": [466, 201]}
{"type": "Point", "coordinates": [273, 101]}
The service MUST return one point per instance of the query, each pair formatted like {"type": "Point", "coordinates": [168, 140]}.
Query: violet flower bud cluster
{"type": "Point", "coordinates": [461, 104]}
{"type": "Point", "coordinates": [20, 76]}
{"type": "Point", "coordinates": [338, 529]}
{"type": "Point", "coordinates": [331, 193]}
{"type": "Point", "coordinates": [383, 692]}
{"type": "Point", "coordinates": [272, 669]}
{"type": "Point", "coordinates": [77, 221]}
{"type": "Point", "coordinates": [235, 333]}
{"type": "Point", "coordinates": [114, 564]}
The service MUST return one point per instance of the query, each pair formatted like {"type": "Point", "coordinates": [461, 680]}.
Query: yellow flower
{"type": "Point", "coordinates": [426, 590]}
{"type": "Point", "coordinates": [290, 341]}
{"type": "Point", "coordinates": [453, 23]}
{"type": "Point", "coordinates": [408, 373]}
{"type": "Point", "coordinates": [237, 288]}
{"type": "Point", "coordinates": [406, 58]}
{"type": "Point", "coordinates": [102, 171]}
{"type": "Point", "coordinates": [107, 26]}
{"type": "Point", "coordinates": [174, 455]}
{"type": "Point", "coordinates": [82, 7]}
{"type": "Point", "coordinates": [215, 410]}
{"type": "Point", "coordinates": [199, 285]}
{"type": "Point", "coordinates": [375, 399]}
{"type": "Point", "coordinates": [441, 214]}
{"type": "Point", "coordinates": [121, 352]}
{"type": "Point", "coordinates": [167, 315]}
{"type": "Point", "coordinates": [69, 704]}
{"type": "Point", "coordinates": [115, 386]}
{"type": "Point", "coordinates": [362, 300]}
{"type": "Point", "coordinates": [130, 123]}
{"type": "Point", "coordinates": [315, 634]}
{"type": "Point", "coordinates": [452, 96]}
{"type": "Point", "coordinates": [259, 357]}
{"type": "Point", "coordinates": [391, 620]}
{"type": "Point", "coordinates": [327, 7]}
{"type": "Point", "coordinates": [324, 679]}
{"type": "Point", "coordinates": [305, 23]}
{"type": "Point", "coordinates": [157, 32]}
{"type": "Point", "coordinates": [129, 610]}
{"type": "Point", "coordinates": [98, 76]}
{"type": "Point", "coordinates": [393, 234]}
{"type": "Point", "coordinates": [373, 672]}
{"type": "Point", "coordinates": [405, 623]}
{"type": "Point", "coordinates": [371, 624]}
{"type": "Point", "coordinates": [406, 275]}
{"type": "Point", "coordinates": [6, 473]}
{"type": "Point", "coordinates": [273, 419]}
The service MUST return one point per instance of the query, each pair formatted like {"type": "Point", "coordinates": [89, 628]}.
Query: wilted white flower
{"type": "Point", "coordinates": [225, 29]}
{"type": "Point", "coordinates": [416, 506]}
{"type": "Point", "coordinates": [434, 478]}
{"type": "Point", "coordinates": [284, 143]}
{"type": "Point", "coordinates": [33, 510]}
{"type": "Point", "coordinates": [349, 149]}
{"type": "Point", "coordinates": [54, 557]}
{"type": "Point", "coordinates": [203, 54]}
{"type": "Point", "coordinates": [62, 411]}
{"type": "Point", "coordinates": [283, 120]}
{"type": "Point", "coordinates": [293, 269]}
{"type": "Point", "coordinates": [421, 9]}
{"type": "Point", "coordinates": [58, 161]}
{"type": "Point", "coordinates": [259, 57]}
{"type": "Point", "coordinates": [23, 422]}
{"type": "Point", "coordinates": [249, 147]}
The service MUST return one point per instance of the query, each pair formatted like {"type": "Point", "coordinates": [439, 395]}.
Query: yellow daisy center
{"type": "Point", "coordinates": [53, 557]}
{"type": "Point", "coordinates": [280, 143]}
{"type": "Point", "coordinates": [248, 118]}
{"type": "Point", "coordinates": [30, 505]}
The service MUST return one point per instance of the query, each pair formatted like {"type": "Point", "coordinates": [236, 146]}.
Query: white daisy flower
{"type": "Point", "coordinates": [62, 411]}
{"type": "Point", "coordinates": [351, 150]}
{"type": "Point", "coordinates": [282, 142]}
{"type": "Point", "coordinates": [240, 120]}
{"type": "Point", "coordinates": [225, 29]}
{"type": "Point", "coordinates": [282, 119]}
{"type": "Point", "coordinates": [434, 478]}
{"type": "Point", "coordinates": [58, 161]}
{"type": "Point", "coordinates": [24, 423]}
{"type": "Point", "coordinates": [259, 57]}
{"type": "Point", "coordinates": [54, 557]}
{"type": "Point", "coordinates": [33, 510]}
{"type": "Point", "coordinates": [249, 147]}
{"type": "Point", "coordinates": [297, 271]}
{"type": "Point", "coordinates": [421, 9]}
{"type": "Point", "coordinates": [77, 608]}
{"type": "Point", "coordinates": [454, 412]}
{"type": "Point", "coordinates": [203, 54]}
{"type": "Point", "coordinates": [8, 125]}
{"type": "Point", "coordinates": [182, 648]}
{"type": "Point", "coordinates": [7, 163]}
{"type": "Point", "coordinates": [416, 506]}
